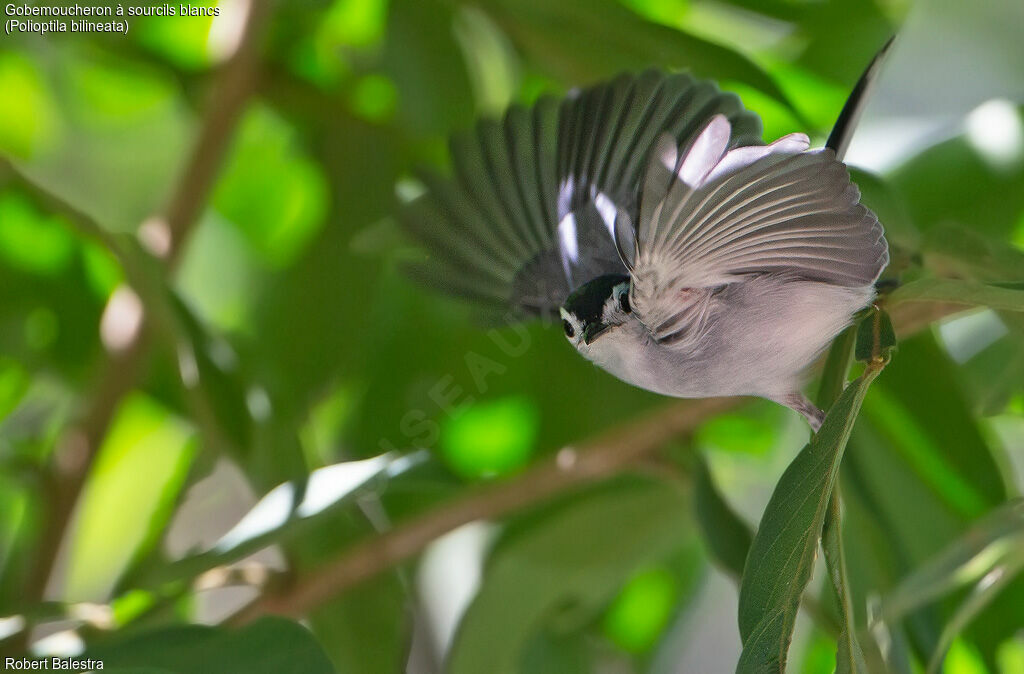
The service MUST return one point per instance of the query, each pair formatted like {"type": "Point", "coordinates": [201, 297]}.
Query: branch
{"type": "Point", "coordinates": [571, 467]}
{"type": "Point", "coordinates": [118, 373]}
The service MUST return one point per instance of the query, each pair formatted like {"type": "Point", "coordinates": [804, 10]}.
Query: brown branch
{"type": "Point", "coordinates": [593, 460]}
{"type": "Point", "coordinates": [118, 373]}
{"type": "Point", "coordinates": [571, 467]}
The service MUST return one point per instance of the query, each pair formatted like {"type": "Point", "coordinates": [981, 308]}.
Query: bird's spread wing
{"type": "Point", "coordinates": [528, 214]}
{"type": "Point", "coordinates": [711, 216]}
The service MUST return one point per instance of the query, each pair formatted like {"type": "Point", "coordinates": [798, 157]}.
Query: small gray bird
{"type": "Point", "coordinates": [682, 255]}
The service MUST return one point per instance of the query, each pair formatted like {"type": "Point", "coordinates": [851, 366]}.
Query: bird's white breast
{"type": "Point", "coordinates": [764, 334]}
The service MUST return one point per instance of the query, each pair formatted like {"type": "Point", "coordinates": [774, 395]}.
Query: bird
{"type": "Point", "coordinates": [644, 214]}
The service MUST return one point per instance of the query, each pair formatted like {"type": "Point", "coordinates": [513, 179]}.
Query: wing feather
{"type": "Point", "coordinates": [770, 211]}
{"type": "Point", "coordinates": [528, 213]}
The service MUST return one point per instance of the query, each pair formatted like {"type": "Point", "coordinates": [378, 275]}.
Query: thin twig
{"type": "Point", "coordinates": [568, 468]}
{"type": "Point", "coordinates": [600, 458]}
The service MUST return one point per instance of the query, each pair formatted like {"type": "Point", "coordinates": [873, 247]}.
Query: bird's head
{"type": "Point", "coordinates": [596, 308]}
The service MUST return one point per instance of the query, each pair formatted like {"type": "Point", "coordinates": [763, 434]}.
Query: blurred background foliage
{"type": "Point", "coordinates": [295, 397]}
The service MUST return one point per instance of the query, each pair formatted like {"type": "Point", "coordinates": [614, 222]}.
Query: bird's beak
{"type": "Point", "coordinates": [593, 331]}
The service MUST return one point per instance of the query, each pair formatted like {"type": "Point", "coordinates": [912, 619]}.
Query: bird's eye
{"type": "Point", "coordinates": [624, 302]}
{"type": "Point", "coordinates": [570, 332]}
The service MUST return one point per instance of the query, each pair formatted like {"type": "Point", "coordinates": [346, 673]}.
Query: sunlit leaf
{"type": "Point", "coordinates": [182, 40]}
{"type": "Point", "coordinates": [490, 60]}
{"type": "Point", "coordinates": [140, 468]}
{"type": "Point", "coordinates": [374, 97]}
{"type": "Point", "coordinates": [287, 510]}
{"type": "Point", "coordinates": [14, 382]}
{"type": "Point", "coordinates": [30, 240]}
{"type": "Point", "coordinates": [639, 614]}
{"type": "Point", "coordinates": [29, 121]}
{"type": "Point", "coordinates": [117, 93]}
{"type": "Point", "coordinates": [490, 438]}
{"type": "Point", "coordinates": [270, 190]}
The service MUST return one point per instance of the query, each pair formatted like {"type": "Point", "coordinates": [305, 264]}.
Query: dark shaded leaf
{"type": "Point", "coordinates": [270, 646]}
{"type": "Point", "coordinates": [875, 336]}
{"type": "Point", "coordinates": [606, 38]}
{"type": "Point", "coordinates": [726, 534]}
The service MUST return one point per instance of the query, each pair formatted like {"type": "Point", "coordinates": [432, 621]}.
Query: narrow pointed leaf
{"type": "Point", "coordinates": [969, 558]}
{"type": "Point", "coordinates": [987, 589]}
{"type": "Point", "coordinates": [782, 555]}
{"type": "Point", "coordinates": [849, 656]}
{"type": "Point", "coordinates": [1006, 297]}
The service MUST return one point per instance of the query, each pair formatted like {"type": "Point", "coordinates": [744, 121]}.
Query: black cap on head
{"type": "Point", "coordinates": [587, 302]}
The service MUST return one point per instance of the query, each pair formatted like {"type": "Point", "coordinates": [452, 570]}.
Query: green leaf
{"type": "Point", "coordinates": [267, 646]}
{"type": "Point", "coordinates": [959, 292]}
{"type": "Point", "coordinates": [567, 563]}
{"type": "Point", "coordinates": [364, 630]}
{"type": "Point", "coordinates": [138, 473]}
{"type": "Point", "coordinates": [726, 534]}
{"type": "Point", "coordinates": [638, 615]}
{"type": "Point", "coordinates": [875, 336]}
{"type": "Point", "coordinates": [607, 38]}
{"type": "Point", "coordinates": [490, 438]}
{"type": "Point", "coordinates": [966, 560]}
{"type": "Point", "coordinates": [29, 117]}
{"type": "Point", "coordinates": [782, 554]}
{"type": "Point", "coordinates": [287, 511]}
{"type": "Point", "coordinates": [270, 190]}
{"type": "Point", "coordinates": [849, 656]}
{"type": "Point", "coordinates": [994, 582]}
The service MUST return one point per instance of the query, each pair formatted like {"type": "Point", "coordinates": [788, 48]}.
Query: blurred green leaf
{"type": "Point", "coordinates": [491, 61]}
{"type": "Point", "coordinates": [959, 292]}
{"type": "Point", "coordinates": [917, 472]}
{"type": "Point", "coordinates": [30, 240]}
{"type": "Point", "coordinates": [606, 38]}
{"type": "Point", "coordinates": [968, 252]}
{"type": "Point", "coordinates": [364, 630]}
{"type": "Point", "coordinates": [781, 556]}
{"type": "Point", "coordinates": [287, 512]}
{"type": "Point", "coordinates": [490, 438]}
{"type": "Point", "coordinates": [726, 534]}
{"type": "Point", "coordinates": [274, 194]}
{"type": "Point", "coordinates": [14, 382]}
{"type": "Point", "coordinates": [638, 615]}
{"type": "Point", "coordinates": [966, 560]}
{"type": "Point", "coordinates": [268, 646]}
{"type": "Point", "coordinates": [426, 65]}
{"type": "Point", "coordinates": [573, 559]}
{"type": "Point", "coordinates": [29, 121]}
{"type": "Point", "coordinates": [138, 472]}
{"type": "Point", "coordinates": [849, 656]}
{"type": "Point", "coordinates": [185, 41]}
{"type": "Point", "coordinates": [975, 195]}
